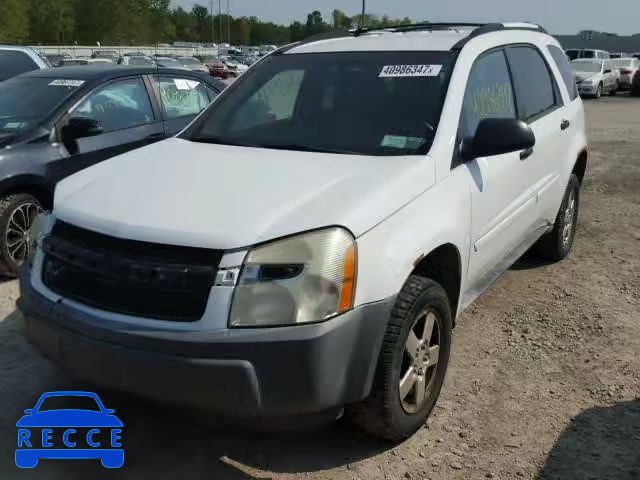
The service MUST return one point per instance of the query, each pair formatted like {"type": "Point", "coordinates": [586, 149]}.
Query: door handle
{"type": "Point", "coordinates": [565, 124]}
{"type": "Point", "coordinates": [526, 153]}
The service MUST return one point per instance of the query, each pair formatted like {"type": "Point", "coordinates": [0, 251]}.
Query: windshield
{"type": "Point", "coordinates": [26, 101]}
{"type": "Point", "coordinates": [190, 61]}
{"type": "Point", "coordinates": [369, 103]}
{"type": "Point", "coordinates": [69, 402]}
{"type": "Point", "coordinates": [591, 67]}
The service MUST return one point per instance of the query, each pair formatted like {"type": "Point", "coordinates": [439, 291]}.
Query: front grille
{"type": "Point", "coordinates": [130, 277]}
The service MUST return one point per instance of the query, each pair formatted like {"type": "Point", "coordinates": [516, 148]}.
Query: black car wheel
{"type": "Point", "coordinates": [17, 213]}
{"type": "Point", "coordinates": [412, 364]}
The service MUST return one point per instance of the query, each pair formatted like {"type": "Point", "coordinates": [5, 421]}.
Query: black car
{"type": "Point", "coordinates": [56, 122]}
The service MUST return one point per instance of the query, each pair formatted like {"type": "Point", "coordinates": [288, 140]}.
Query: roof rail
{"type": "Point", "coordinates": [414, 27]}
{"type": "Point", "coordinates": [497, 27]}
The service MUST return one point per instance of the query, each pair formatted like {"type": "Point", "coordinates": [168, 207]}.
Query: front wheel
{"type": "Point", "coordinates": [412, 364]}
{"type": "Point", "coordinates": [17, 213]}
{"type": "Point", "coordinates": [598, 92]}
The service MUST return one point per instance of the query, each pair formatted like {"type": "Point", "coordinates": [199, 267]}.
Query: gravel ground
{"type": "Point", "coordinates": [544, 380]}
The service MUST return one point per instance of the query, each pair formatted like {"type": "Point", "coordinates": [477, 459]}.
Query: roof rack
{"type": "Point", "coordinates": [415, 27]}
{"type": "Point", "coordinates": [478, 29]}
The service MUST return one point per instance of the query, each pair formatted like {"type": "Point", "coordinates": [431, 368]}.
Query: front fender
{"type": "Point", "coordinates": [387, 254]}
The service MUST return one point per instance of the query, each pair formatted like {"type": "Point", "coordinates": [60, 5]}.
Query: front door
{"type": "Point", "coordinates": [503, 205]}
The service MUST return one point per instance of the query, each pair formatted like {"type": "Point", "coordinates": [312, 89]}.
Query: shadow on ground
{"type": "Point", "coordinates": [602, 443]}
{"type": "Point", "coordinates": [165, 442]}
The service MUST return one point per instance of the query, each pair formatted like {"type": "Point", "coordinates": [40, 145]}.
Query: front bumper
{"type": "Point", "coordinates": [267, 372]}
{"type": "Point", "coordinates": [587, 89]}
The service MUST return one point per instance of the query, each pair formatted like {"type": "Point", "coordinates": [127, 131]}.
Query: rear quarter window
{"type": "Point", "coordinates": [14, 63]}
{"type": "Point", "coordinates": [564, 66]}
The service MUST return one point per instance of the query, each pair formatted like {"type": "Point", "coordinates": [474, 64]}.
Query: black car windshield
{"type": "Point", "coordinates": [69, 402]}
{"type": "Point", "coordinates": [26, 101]}
{"type": "Point", "coordinates": [368, 103]}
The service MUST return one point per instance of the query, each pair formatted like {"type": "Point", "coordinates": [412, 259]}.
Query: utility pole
{"type": "Point", "coordinates": [364, 12]}
{"type": "Point", "coordinates": [228, 23]}
{"type": "Point", "coordinates": [220, 18]}
{"type": "Point", "coordinates": [213, 36]}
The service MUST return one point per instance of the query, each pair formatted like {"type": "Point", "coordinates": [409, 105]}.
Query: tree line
{"type": "Point", "coordinates": [147, 22]}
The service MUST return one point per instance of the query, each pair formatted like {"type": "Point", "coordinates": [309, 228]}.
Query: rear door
{"type": "Point", "coordinates": [128, 120]}
{"type": "Point", "coordinates": [541, 106]}
{"type": "Point", "coordinates": [181, 99]}
{"type": "Point", "coordinates": [501, 197]}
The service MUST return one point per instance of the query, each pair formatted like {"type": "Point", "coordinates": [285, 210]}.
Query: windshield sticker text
{"type": "Point", "coordinates": [395, 71]}
{"type": "Point", "coordinates": [66, 83]}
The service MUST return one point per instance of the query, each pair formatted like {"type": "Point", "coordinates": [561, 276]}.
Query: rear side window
{"type": "Point", "coordinates": [565, 70]}
{"type": "Point", "coordinates": [588, 54]}
{"type": "Point", "coordinates": [535, 89]}
{"type": "Point", "coordinates": [14, 63]}
{"type": "Point", "coordinates": [489, 93]}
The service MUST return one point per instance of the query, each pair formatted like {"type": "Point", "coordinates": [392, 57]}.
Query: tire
{"type": "Point", "coordinates": [384, 414]}
{"type": "Point", "coordinates": [556, 245]}
{"type": "Point", "coordinates": [598, 92]}
{"type": "Point", "coordinates": [10, 258]}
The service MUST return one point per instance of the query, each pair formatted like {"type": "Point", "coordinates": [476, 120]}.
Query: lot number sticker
{"type": "Point", "coordinates": [67, 83]}
{"type": "Point", "coordinates": [395, 71]}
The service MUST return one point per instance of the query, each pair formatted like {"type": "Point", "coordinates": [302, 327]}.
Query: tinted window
{"type": "Point", "coordinates": [14, 63]}
{"type": "Point", "coordinates": [118, 105]}
{"type": "Point", "coordinates": [24, 102]}
{"type": "Point", "coordinates": [588, 54]}
{"type": "Point", "coordinates": [182, 97]}
{"type": "Point", "coordinates": [535, 91]}
{"type": "Point", "coordinates": [565, 70]}
{"type": "Point", "coordinates": [489, 93]}
{"type": "Point", "coordinates": [573, 54]}
{"type": "Point", "coordinates": [370, 103]}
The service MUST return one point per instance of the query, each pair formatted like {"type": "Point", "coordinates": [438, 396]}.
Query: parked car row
{"type": "Point", "coordinates": [54, 122]}
{"type": "Point", "coordinates": [596, 76]}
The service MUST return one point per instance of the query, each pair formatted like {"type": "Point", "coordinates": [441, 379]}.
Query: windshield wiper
{"type": "Point", "coordinates": [306, 148]}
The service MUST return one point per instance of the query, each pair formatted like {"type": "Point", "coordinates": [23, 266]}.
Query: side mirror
{"type": "Point", "coordinates": [79, 127]}
{"type": "Point", "coordinates": [607, 70]}
{"type": "Point", "coordinates": [497, 136]}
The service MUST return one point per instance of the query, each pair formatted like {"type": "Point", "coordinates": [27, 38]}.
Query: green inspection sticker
{"type": "Point", "coordinates": [397, 141]}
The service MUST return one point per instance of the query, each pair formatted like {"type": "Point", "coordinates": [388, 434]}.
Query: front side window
{"type": "Point", "coordinates": [535, 88]}
{"type": "Point", "coordinates": [118, 105]}
{"type": "Point", "coordinates": [182, 97]}
{"type": "Point", "coordinates": [565, 70]}
{"type": "Point", "coordinates": [489, 93]}
{"type": "Point", "coordinates": [368, 103]}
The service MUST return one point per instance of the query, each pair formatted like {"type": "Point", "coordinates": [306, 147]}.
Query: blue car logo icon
{"type": "Point", "coordinates": [69, 425]}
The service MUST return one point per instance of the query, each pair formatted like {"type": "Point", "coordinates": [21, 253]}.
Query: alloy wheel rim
{"type": "Point", "coordinates": [569, 219]}
{"type": "Point", "coordinates": [17, 235]}
{"type": "Point", "coordinates": [420, 360]}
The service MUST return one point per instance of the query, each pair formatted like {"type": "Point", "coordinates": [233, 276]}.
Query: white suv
{"type": "Point", "coordinates": [307, 243]}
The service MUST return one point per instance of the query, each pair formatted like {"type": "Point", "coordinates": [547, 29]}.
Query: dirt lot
{"type": "Point", "coordinates": [544, 381]}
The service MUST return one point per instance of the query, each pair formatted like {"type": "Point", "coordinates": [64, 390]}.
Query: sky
{"type": "Point", "coordinates": [557, 16]}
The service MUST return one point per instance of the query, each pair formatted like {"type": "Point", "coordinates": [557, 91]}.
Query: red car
{"type": "Point", "coordinates": [215, 66]}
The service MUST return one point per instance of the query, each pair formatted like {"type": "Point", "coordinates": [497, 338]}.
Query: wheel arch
{"type": "Point", "coordinates": [580, 166]}
{"type": "Point", "coordinates": [443, 264]}
{"type": "Point", "coordinates": [31, 184]}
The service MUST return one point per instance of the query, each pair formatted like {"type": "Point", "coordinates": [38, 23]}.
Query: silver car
{"type": "Point", "coordinates": [193, 64]}
{"type": "Point", "coordinates": [595, 77]}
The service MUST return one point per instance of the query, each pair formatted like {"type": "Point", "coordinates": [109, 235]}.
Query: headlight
{"type": "Point", "coordinates": [302, 279]}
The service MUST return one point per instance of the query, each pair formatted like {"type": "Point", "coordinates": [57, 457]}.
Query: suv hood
{"type": "Point", "coordinates": [214, 196]}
